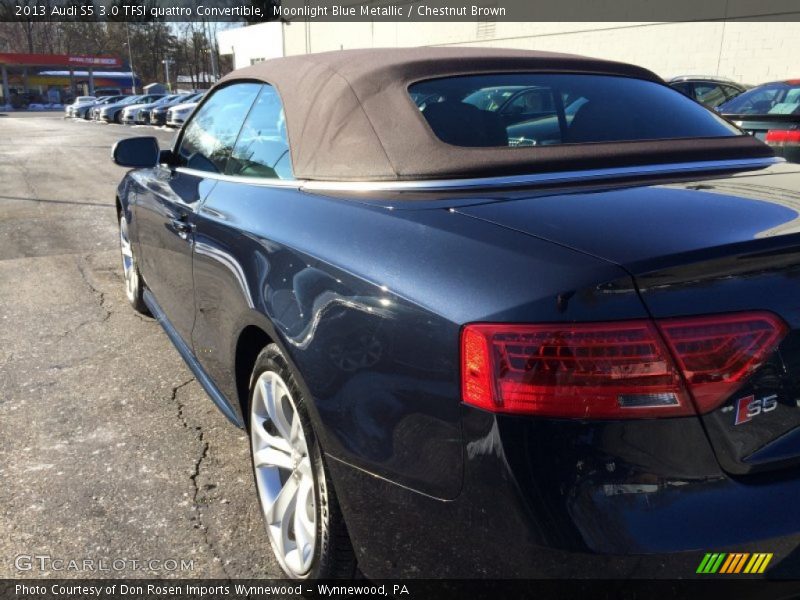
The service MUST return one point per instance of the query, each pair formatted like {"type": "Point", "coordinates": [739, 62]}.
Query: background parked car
{"type": "Point", "coordinates": [709, 90]}
{"type": "Point", "coordinates": [84, 111]}
{"type": "Point", "coordinates": [113, 112]}
{"type": "Point", "coordinates": [69, 111]}
{"type": "Point", "coordinates": [177, 115]}
{"type": "Point", "coordinates": [97, 110]}
{"type": "Point", "coordinates": [130, 113]}
{"type": "Point", "coordinates": [158, 115]}
{"type": "Point", "coordinates": [771, 112]}
{"type": "Point", "coordinates": [142, 116]}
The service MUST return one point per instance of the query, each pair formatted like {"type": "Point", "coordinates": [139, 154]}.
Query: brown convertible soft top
{"type": "Point", "coordinates": [349, 117]}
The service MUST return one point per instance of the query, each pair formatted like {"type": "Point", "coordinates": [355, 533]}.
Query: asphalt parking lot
{"type": "Point", "coordinates": [109, 449]}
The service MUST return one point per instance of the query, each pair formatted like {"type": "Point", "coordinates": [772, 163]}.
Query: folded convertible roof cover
{"type": "Point", "coordinates": [349, 117]}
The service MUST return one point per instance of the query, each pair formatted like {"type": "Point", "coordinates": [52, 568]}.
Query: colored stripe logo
{"type": "Point", "coordinates": [734, 563]}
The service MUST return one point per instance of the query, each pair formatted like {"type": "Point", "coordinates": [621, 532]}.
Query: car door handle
{"type": "Point", "coordinates": [182, 227]}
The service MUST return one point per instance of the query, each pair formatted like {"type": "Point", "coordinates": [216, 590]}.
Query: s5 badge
{"type": "Point", "coordinates": [749, 407]}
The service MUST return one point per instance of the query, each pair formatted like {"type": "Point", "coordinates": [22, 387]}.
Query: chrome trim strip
{"type": "Point", "coordinates": [504, 181]}
{"type": "Point", "coordinates": [191, 361]}
{"type": "Point", "coordinates": [282, 183]}
{"type": "Point", "coordinates": [540, 178]}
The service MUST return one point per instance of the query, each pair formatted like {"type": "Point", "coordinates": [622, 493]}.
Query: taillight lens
{"type": "Point", "coordinates": [717, 354]}
{"type": "Point", "coordinates": [614, 370]}
{"type": "Point", "coordinates": [781, 137]}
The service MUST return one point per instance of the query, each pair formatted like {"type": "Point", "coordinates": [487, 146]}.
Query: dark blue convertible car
{"type": "Point", "coordinates": [484, 313]}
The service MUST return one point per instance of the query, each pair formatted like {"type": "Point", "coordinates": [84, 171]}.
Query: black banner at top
{"type": "Point", "coordinates": [401, 10]}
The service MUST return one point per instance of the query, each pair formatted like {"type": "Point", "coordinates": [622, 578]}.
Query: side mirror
{"type": "Point", "coordinates": [136, 152]}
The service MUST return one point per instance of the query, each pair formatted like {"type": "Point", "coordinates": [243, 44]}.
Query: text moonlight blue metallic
{"type": "Point", "coordinates": [536, 319]}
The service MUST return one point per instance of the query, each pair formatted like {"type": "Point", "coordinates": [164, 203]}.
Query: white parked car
{"type": "Point", "coordinates": [177, 115]}
{"type": "Point", "coordinates": [69, 110]}
{"type": "Point", "coordinates": [130, 115]}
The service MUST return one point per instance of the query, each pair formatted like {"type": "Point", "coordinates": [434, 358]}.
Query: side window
{"type": "Point", "coordinates": [709, 94]}
{"type": "Point", "coordinates": [209, 137]}
{"type": "Point", "coordinates": [262, 149]}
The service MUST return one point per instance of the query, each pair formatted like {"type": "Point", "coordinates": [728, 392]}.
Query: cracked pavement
{"type": "Point", "coordinates": [109, 449]}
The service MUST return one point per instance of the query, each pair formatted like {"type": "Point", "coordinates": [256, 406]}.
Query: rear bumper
{"type": "Point", "coordinates": [523, 513]}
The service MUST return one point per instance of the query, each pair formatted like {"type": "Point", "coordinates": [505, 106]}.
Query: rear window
{"type": "Point", "coordinates": [548, 109]}
{"type": "Point", "coordinates": [769, 99]}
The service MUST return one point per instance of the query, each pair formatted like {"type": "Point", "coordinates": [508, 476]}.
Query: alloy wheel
{"type": "Point", "coordinates": [283, 473]}
{"type": "Point", "coordinates": [128, 267]}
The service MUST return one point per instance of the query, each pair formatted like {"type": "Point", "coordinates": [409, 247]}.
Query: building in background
{"type": "Point", "coordinates": [745, 51]}
{"type": "Point", "coordinates": [252, 44]}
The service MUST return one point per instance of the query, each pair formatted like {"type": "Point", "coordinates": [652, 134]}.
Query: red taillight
{"type": "Point", "coordinates": [781, 137]}
{"type": "Point", "coordinates": [613, 370]}
{"type": "Point", "coordinates": [717, 354]}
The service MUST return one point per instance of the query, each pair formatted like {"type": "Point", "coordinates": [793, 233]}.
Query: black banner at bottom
{"type": "Point", "coordinates": [412, 589]}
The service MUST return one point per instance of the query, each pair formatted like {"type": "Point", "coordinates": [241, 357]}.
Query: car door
{"type": "Point", "coordinates": [228, 257]}
{"type": "Point", "coordinates": [167, 205]}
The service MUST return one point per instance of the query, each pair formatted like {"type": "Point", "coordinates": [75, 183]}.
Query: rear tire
{"type": "Point", "coordinates": [301, 511]}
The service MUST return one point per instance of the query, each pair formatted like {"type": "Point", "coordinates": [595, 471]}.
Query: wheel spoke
{"type": "Point", "coordinates": [304, 529]}
{"type": "Point", "coordinates": [125, 247]}
{"type": "Point", "coordinates": [272, 457]}
{"type": "Point", "coordinates": [284, 501]}
{"type": "Point", "coordinates": [275, 409]}
{"type": "Point", "coordinates": [289, 547]}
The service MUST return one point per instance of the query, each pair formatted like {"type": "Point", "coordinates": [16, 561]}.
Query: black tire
{"type": "Point", "coordinates": [333, 554]}
{"type": "Point", "coordinates": [118, 117]}
{"type": "Point", "coordinates": [134, 284]}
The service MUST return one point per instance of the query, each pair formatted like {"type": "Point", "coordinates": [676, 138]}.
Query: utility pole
{"type": "Point", "coordinates": [212, 41]}
{"type": "Point", "coordinates": [130, 58]}
{"type": "Point", "coordinates": [214, 68]}
{"type": "Point", "coordinates": [167, 62]}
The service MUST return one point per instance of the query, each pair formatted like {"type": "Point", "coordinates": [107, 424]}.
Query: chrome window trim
{"type": "Point", "coordinates": [494, 182]}
{"type": "Point", "coordinates": [262, 181]}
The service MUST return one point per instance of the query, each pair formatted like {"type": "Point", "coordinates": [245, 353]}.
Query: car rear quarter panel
{"type": "Point", "coordinates": [368, 302]}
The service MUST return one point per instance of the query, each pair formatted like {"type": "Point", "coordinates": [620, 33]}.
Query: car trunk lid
{"type": "Point", "coordinates": [719, 245]}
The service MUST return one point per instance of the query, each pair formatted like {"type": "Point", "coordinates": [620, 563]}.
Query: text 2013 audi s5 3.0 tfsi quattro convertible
{"type": "Point", "coordinates": [484, 313]}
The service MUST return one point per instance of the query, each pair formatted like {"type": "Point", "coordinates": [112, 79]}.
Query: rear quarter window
{"type": "Point", "coordinates": [495, 110]}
